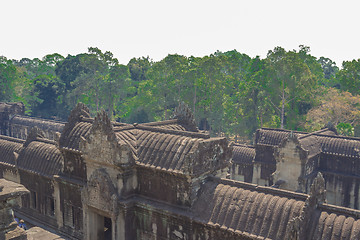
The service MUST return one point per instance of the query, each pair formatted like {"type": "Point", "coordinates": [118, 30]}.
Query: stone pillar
{"type": "Point", "coordinates": [58, 213]}
{"type": "Point", "coordinates": [119, 226]}
{"type": "Point", "coordinates": [9, 192]}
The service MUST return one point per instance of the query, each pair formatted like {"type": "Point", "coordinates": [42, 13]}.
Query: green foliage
{"type": "Point", "coordinates": [291, 83]}
{"type": "Point", "coordinates": [330, 69]}
{"type": "Point", "coordinates": [7, 76]}
{"type": "Point", "coordinates": [47, 89]}
{"type": "Point", "coordinates": [345, 129]}
{"type": "Point", "coordinates": [138, 68]}
{"type": "Point", "coordinates": [333, 105]}
{"type": "Point", "coordinates": [349, 76]}
{"type": "Point", "coordinates": [228, 92]}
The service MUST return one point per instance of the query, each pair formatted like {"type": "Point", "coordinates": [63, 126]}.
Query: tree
{"type": "Point", "coordinates": [349, 76]}
{"type": "Point", "coordinates": [117, 87]}
{"type": "Point", "coordinates": [290, 83]}
{"type": "Point", "coordinates": [210, 94]}
{"type": "Point", "coordinates": [101, 81]}
{"type": "Point", "coordinates": [168, 83]}
{"type": "Point", "coordinates": [138, 68]}
{"type": "Point", "coordinates": [329, 67]}
{"type": "Point", "coordinates": [7, 76]}
{"type": "Point", "coordinates": [234, 71]}
{"type": "Point", "coordinates": [336, 107]}
{"type": "Point", "coordinates": [255, 109]}
{"type": "Point", "coordinates": [46, 88]}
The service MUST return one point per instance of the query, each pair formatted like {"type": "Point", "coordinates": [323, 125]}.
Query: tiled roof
{"type": "Point", "coordinates": [333, 222]}
{"type": "Point", "coordinates": [267, 213]}
{"type": "Point", "coordinates": [246, 209]}
{"type": "Point", "coordinates": [324, 141]}
{"type": "Point", "coordinates": [70, 137]}
{"type": "Point", "coordinates": [340, 146]}
{"type": "Point", "coordinates": [162, 145]}
{"type": "Point", "coordinates": [165, 151]}
{"type": "Point", "coordinates": [41, 157]}
{"type": "Point", "coordinates": [269, 136]}
{"type": "Point", "coordinates": [8, 146]}
{"type": "Point", "coordinates": [164, 148]}
{"type": "Point", "coordinates": [243, 154]}
{"type": "Point", "coordinates": [273, 136]}
{"type": "Point", "coordinates": [169, 124]}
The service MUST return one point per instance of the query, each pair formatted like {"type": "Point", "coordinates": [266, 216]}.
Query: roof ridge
{"type": "Point", "coordinates": [45, 140]}
{"type": "Point", "coordinates": [119, 129]}
{"type": "Point", "coordinates": [316, 133]}
{"type": "Point", "coordinates": [339, 209]}
{"type": "Point", "coordinates": [12, 139]}
{"type": "Point", "coordinates": [165, 122]}
{"type": "Point", "coordinates": [114, 123]}
{"type": "Point", "coordinates": [172, 131]}
{"type": "Point", "coordinates": [258, 188]}
{"type": "Point", "coordinates": [243, 145]}
{"type": "Point", "coordinates": [339, 136]}
{"type": "Point", "coordinates": [40, 119]}
{"type": "Point", "coordinates": [282, 130]}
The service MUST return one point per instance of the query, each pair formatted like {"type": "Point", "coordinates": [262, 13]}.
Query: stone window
{"type": "Point", "coordinates": [69, 217]}
{"type": "Point", "coordinates": [33, 199]}
{"type": "Point", "coordinates": [50, 206]}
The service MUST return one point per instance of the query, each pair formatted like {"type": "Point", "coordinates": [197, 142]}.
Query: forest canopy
{"type": "Point", "coordinates": [229, 92]}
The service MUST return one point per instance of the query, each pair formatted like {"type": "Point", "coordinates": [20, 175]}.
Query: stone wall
{"type": "Point", "coordinates": [165, 181]}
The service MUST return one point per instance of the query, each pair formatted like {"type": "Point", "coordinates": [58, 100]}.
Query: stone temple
{"type": "Point", "coordinates": [91, 178]}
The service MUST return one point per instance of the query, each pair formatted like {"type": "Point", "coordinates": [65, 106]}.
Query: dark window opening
{"type": "Point", "coordinates": [50, 206]}
{"type": "Point", "coordinates": [68, 215]}
{"type": "Point", "coordinates": [33, 200]}
{"type": "Point", "coordinates": [73, 215]}
{"type": "Point", "coordinates": [107, 229]}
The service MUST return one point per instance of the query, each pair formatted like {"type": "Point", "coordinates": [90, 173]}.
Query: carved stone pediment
{"type": "Point", "coordinates": [100, 192]}
{"type": "Point", "coordinates": [102, 145]}
{"type": "Point", "coordinates": [185, 116]}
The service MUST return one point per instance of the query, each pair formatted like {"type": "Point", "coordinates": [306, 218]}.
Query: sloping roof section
{"type": "Point", "coordinates": [335, 223]}
{"type": "Point", "coordinates": [173, 150]}
{"type": "Point", "coordinates": [338, 145]}
{"type": "Point", "coordinates": [270, 136]}
{"type": "Point", "coordinates": [71, 139]}
{"type": "Point", "coordinates": [243, 154]}
{"type": "Point", "coordinates": [40, 155]}
{"type": "Point", "coordinates": [165, 151]}
{"type": "Point", "coordinates": [247, 208]}
{"type": "Point", "coordinates": [164, 148]}
{"type": "Point", "coordinates": [9, 149]}
{"type": "Point", "coordinates": [75, 128]}
{"type": "Point", "coordinates": [256, 212]}
{"type": "Point", "coordinates": [273, 136]}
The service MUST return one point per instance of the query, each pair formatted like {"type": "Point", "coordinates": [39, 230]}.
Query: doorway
{"type": "Point", "coordinates": [99, 227]}
{"type": "Point", "coordinates": [107, 228]}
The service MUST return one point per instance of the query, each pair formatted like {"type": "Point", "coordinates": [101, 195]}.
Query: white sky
{"type": "Point", "coordinates": [154, 28]}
